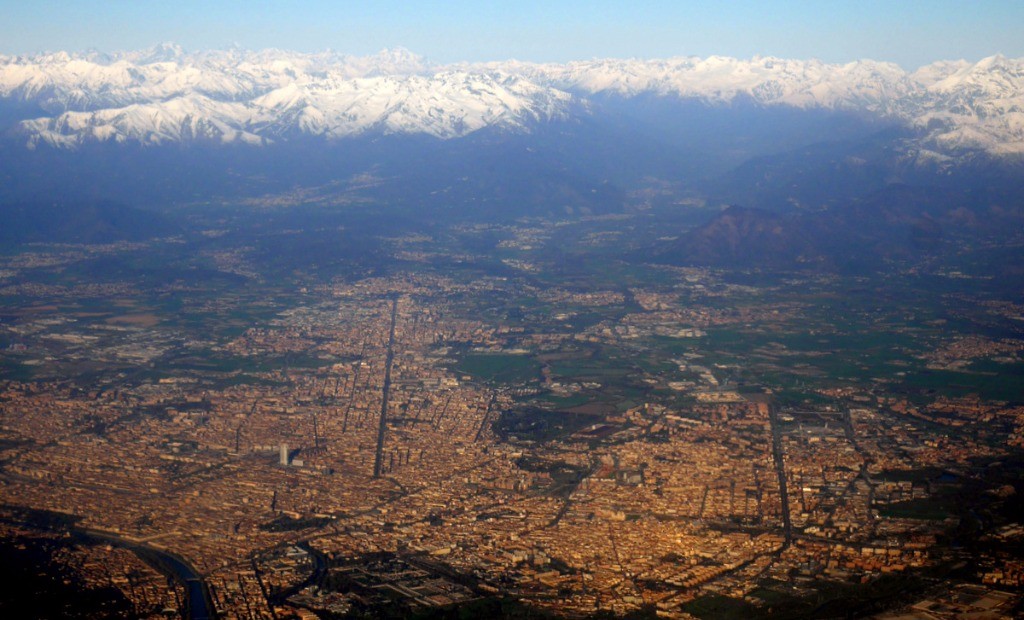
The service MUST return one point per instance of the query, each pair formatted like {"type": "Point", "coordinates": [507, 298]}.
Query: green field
{"type": "Point", "coordinates": [928, 509]}
{"type": "Point", "coordinates": [499, 367]}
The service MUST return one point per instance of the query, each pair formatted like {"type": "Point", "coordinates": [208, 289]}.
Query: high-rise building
{"type": "Point", "coordinates": [284, 454]}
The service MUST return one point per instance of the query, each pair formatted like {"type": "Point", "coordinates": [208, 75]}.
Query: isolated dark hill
{"type": "Point", "coordinates": [829, 173]}
{"type": "Point", "coordinates": [99, 222]}
{"type": "Point", "coordinates": [896, 223]}
{"type": "Point", "coordinates": [741, 236]}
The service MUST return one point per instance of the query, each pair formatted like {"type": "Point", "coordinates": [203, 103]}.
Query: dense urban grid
{"type": "Point", "coordinates": [527, 426]}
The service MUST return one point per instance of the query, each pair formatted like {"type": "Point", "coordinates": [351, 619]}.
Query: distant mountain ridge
{"type": "Point", "coordinates": [166, 95]}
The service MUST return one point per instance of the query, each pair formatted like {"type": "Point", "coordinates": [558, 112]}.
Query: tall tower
{"type": "Point", "coordinates": [284, 454]}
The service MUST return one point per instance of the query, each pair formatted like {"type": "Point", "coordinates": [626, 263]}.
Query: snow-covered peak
{"type": "Point", "coordinates": [396, 61]}
{"type": "Point", "coordinates": [990, 77]}
{"type": "Point", "coordinates": [445, 105]}
{"type": "Point", "coordinates": [187, 119]}
{"type": "Point", "coordinates": [930, 74]}
{"type": "Point", "coordinates": [976, 106]}
{"type": "Point", "coordinates": [718, 79]}
{"type": "Point", "coordinates": [275, 94]}
{"type": "Point", "coordinates": [204, 106]}
{"type": "Point", "coordinates": [89, 81]}
{"type": "Point", "coordinates": [163, 52]}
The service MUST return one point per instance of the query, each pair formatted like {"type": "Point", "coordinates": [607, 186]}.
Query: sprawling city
{"type": "Point", "coordinates": [502, 418]}
{"type": "Point", "coordinates": [536, 310]}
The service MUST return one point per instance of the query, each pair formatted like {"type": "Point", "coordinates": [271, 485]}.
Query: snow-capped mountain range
{"type": "Point", "coordinates": [165, 95]}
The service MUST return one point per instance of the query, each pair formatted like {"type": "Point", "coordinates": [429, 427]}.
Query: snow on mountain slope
{"type": "Point", "coordinates": [957, 105]}
{"type": "Point", "coordinates": [862, 85]}
{"type": "Point", "coordinates": [979, 106]}
{"type": "Point", "coordinates": [444, 105]}
{"type": "Point", "coordinates": [184, 119]}
{"type": "Point", "coordinates": [60, 82]}
{"type": "Point", "coordinates": [165, 94]}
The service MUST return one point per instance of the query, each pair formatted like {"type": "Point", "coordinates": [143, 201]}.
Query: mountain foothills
{"type": "Point", "coordinates": [817, 146]}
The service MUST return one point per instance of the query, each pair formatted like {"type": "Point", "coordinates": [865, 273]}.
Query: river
{"type": "Point", "coordinates": [198, 605]}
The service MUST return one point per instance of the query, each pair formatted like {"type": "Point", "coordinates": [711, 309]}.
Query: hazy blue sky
{"type": "Point", "coordinates": [909, 32]}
